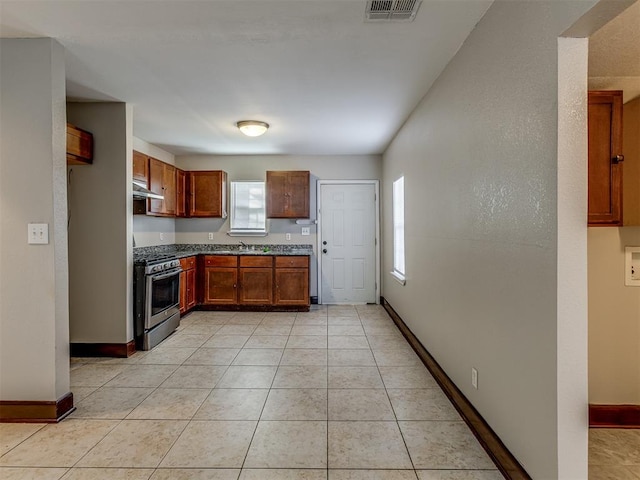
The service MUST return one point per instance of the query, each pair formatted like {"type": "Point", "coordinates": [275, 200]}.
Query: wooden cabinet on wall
{"type": "Point", "coordinates": [140, 167]}
{"type": "Point", "coordinates": [162, 180]}
{"type": "Point", "coordinates": [79, 146]}
{"type": "Point", "coordinates": [631, 150]}
{"type": "Point", "coordinates": [181, 193]}
{"type": "Point", "coordinates": [220, 280]}
{"type": "Point", "coordinates": [605, 158]}
{"type": "Point", "coordinates": [207, 193]}
{"type": "Point", "coordinates": [292, 280]}
{"type": "Point", "coordinates": [256, 280]}
{"type": "Point", "coordinates": [287, 194]}
{"type": "Point", "coordinates": [187, 284]}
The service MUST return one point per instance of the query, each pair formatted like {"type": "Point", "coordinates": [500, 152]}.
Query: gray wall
{"type": "Point", "coordinates": [34, 310]}
{"type": "Point", "coordinates": [479, 156]}
{"type": "Point", "coordinates": [101, 227]}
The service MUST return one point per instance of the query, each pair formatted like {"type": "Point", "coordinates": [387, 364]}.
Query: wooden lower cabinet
{"type": "Point", "coordinates": [188, 284]}
{"type": "Point", "coordinates": [220, 285]}
{"type": "Point", "coordinates": [256, 286]}
{"type": "Point", "coordinates": [291, 281]}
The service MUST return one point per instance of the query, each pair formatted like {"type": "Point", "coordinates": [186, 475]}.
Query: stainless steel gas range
{"type": "Point", "coordinates": [156, 287]}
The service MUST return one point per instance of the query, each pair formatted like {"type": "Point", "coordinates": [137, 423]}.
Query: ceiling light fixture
{"type": "Point", "coordinates": [252, 128]}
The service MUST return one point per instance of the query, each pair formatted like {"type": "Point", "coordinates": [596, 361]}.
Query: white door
{"type": "Point", "coordinates": [347, 243]}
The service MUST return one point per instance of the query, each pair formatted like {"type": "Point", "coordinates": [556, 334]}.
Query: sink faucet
{"type": "Point", "coordinates": [243, 245]}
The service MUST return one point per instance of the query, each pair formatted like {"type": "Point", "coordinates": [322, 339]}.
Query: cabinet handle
{"type": "Point", "coordinates": [234, 285]}
{"type": "Point", "coordinates": [617, 159]}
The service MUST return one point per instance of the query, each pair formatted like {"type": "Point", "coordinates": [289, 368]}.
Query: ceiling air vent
{"type": "Point", "coordinates": [392, 10]}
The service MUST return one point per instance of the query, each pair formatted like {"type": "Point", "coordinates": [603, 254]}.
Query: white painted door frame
{"type": "Point", "coordinates": [376, 185]}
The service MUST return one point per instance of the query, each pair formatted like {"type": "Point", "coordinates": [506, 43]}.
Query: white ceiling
{"type": "Point", "coordinates": [614, 54]}
{"type": "Point", "coordinates": [327, 81]}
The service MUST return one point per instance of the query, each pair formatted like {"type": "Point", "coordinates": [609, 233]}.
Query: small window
{"type": "Point", "coordinates": [398, 230]}
{"type": "Point", "coordinates": [248, 215]}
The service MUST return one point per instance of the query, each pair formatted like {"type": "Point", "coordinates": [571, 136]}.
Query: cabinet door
{"type": "Point", "coordinates": [276, 187]}
{"type": "Point", "coordinates": [256, 286]}
{"type": "Point", "coordinates": [208, 194]}
{"type": "Point", "coordinates": [298, 195]}
{"type": "Point", "coordinates": [156, 185]}
{"type": "Point", "coordinates": [605, 170]}
{"type": "Point", "coordinates": [140, 167]}
{"type": "Point", "coordinates": [181, 193]}
{"type": "Point", "coordinates": [220, 285]}
{"type": "Point", "coordinates": [169, 190]}
{"type": "Point", "coordinates": [292, 286]}
{"type": "Point", "coordinates": [191, 288]}
{"type": "Point", "coordinates": [288, 194]}
{"type": "Point", "coordinates": [183, 292]}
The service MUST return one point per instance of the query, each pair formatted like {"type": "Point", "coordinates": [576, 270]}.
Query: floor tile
{"type": "Point", "coordinates": [304, 356]}
{"type": "Point", "coordinates": [195, 474]}
{"type": "Point", "coordinates": [339, 311]}
{"type": "Point", "coordinates": [211, 444]}
{"type": "Point", "coordinates": [348, 342]}
{"type": "Point", "coordinates": [277, 474]}
{"type": "Point", "coordinates": [307, 341]}
{"type": "Point", "coordinates": [422, 404]}
{"type": "Point", "coordinates": [407, 377]}
{"type": "Point", "coordinates": [311, 321]}
{"type": "Point", "coordinates": [287, 444]}
{"type": "Point", "coordinates": [143, 376]}
{"type": "Point", "coordinates": [351, 358]}
{"type": "Point", "coordinates": [266, 341]}
{"type": "Point", "coordinates": [307, 376]}
{"type": "Point", "coordinates": [272, 330]}
{"type": "Point", "coordinates": [443, 445]}
{"type": "Point", "coordinates": [170, 404]}
{"type": "Point", "coordinates": [248, 377]}
{"type": "Point", "coordinates": [386, 329]}
{"type": "Point", "coordinates": [135, 444]}
{"type": "Point", "coordinates": [95, 375]}
{"type": "Point", "coordinates": [284, 321]}
{"type": "Point", "coordinates": [296, 404]}
{"type": "Point", "coordinates": [344, 321]}
{"type": "Point", "coordinates": [367, 445]}
{"type": "Point", "coordinates": [195, 376]}
{"type": "Point", "coordinates": [241, 320]}
{"type": "Point", "coordinates": [201, 329]}
{"type": "Point", "coordinates": [386, 341]}
{"type": "Point", "coordinates": [236, 330]}
{"type": "Point", "coordinates": [258, 356]}
{"type": "Point", "coordinates": [461, 475]}
{"type": "Point", "coordinates": [396, 357]}
{"type": "Point", "coordinates": [185, 340]}
{"type": "Point", "coordinates": [614, 446]}
{"type": "Point", "coordinates": [212, 356]}
{"type": "Point", "coordinates": [80, 393]}
{"type": "Point", "coordinates": [111, 402]}
{"type": "Point", "coordinates": [359, 404]}
{"type": "Point", "coordinates": [12, 434]}
{"type": "Point", "coordinates": [167, 356]}
{"type": "Point", "coordinates": [26, 473]}
{"type": "Point", "coordinates": [372, 475]}
{"type": "Point", "coordinates": [309, 330]}
{"type": "Point", "coordinates": [345, 330]}
{"type": "Point", "coordinates": [108, 474]}
{"type": "Point", "coordinates": [226, 341]}
{"type": "Point", "coordinates": [233, 404]}
{"type": "Point", "coordinates": [354, 377]}
{"type": "Point", "coordinates": [59, 445]}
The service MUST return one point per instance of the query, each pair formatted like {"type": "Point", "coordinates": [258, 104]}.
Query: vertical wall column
{"type": "Point", "coordinates": [34, 309]}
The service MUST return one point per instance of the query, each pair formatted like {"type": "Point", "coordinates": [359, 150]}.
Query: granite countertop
{"type": "Point", "coordinates": [189, 250]}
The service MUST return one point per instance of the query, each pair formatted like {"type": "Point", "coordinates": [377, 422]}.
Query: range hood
{"type": "Point", "coordinates": [140, 191]}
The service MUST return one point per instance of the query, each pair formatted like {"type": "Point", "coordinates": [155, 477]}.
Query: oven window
{"type": "Point", "coordinates": [165, 293]}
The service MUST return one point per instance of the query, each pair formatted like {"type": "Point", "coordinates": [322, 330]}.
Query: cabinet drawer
{"type": "Point", "coordinates": [292, 262]}
{"type": "Point", "coordinates": [220, 261]}
{"type": "Point", "coordinates": [246, 261]}
{"type": "Point", "coordinates": [188, 263]}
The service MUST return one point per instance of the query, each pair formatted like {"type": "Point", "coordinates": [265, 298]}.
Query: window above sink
{"type": "Point", "coordinates": [248, 209]}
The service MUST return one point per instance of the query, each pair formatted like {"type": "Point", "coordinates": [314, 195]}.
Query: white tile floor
{"type": "Point", "coordinates": [332, 394]}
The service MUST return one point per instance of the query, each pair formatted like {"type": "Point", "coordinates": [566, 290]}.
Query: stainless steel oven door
{"type": "Point", "coordinates": [163, 297]}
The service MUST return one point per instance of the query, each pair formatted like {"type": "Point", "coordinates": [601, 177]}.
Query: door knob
{"type": "Point", "coordinates": [617, 159]}
{"type": "Point", "coordinates": [324, 243]}
{"type": "Point", "coordinates": [324, 250]}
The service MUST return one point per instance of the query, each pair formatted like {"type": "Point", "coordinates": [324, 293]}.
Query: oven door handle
{"type": "Point", "coordinates": [165, 275]}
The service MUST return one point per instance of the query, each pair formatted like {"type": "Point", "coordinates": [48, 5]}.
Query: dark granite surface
{"type": "Point", "coordinates": [188, 250]}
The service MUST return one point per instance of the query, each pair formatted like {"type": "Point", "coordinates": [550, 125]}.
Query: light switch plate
{"type": "Point", "coordinates": [38, 234]}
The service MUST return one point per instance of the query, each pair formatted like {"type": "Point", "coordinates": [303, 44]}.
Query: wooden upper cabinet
{"type": "Point", "coordinates": [79, 146]}
{"type": "Point", "coordinates": [140, 167]}
{"type": "Point", "coordinates": [162, 180]}
{"type": "Point", "coordinates": [207, 193]}
{"type": "Point", "coordinates": [605, 158]}
{"type": "Point", "coordinates": [287, 194]}
{"type": "Point", "coordinates": [181, 193]}
{"type": "Point", "coordinates": [631, 149]}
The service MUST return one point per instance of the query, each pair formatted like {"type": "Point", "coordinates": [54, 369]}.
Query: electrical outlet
{"type": "Point", "coordinates": [210, 236]}
{"type": "Point", "coordinates": [287, 236]}
{"type": "Point", "coordinates": [306, 231]}
{"type": "Point", "coordinates": [162, 236]}
{"type": "Point", "coordinates": [474, 378]}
